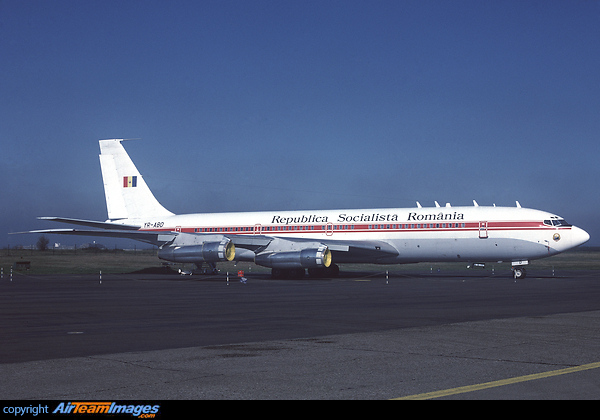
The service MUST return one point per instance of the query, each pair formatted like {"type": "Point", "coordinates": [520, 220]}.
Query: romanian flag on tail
{"type": "Point", "coordinates": [129, 181]}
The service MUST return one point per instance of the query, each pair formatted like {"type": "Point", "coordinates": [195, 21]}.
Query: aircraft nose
{"type": "Point", "coordinates": [580, 236]}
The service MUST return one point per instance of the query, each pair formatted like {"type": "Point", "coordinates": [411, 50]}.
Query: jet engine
{"type": "Point", "coordinates": [205, 252]}
{"type": "Point", "coordinates": [306, 258]}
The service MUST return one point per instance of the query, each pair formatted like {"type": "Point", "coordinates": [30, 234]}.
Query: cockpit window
{"type": "Point", "coordinates": [557, 222]}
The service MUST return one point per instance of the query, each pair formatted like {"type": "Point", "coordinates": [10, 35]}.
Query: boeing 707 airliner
{"type": "Point", "coordinates": [289, 242]}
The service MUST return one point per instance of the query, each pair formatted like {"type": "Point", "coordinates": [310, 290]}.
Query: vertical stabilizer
{"type": "Point", "coordinates": [127, 195]}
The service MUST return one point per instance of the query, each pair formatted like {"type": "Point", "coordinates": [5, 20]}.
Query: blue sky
{"type": "Point", "coordinates": [283, 105]}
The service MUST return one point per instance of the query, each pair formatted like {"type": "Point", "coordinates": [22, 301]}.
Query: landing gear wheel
{"type": "Point", "coordinates": [519, 273]}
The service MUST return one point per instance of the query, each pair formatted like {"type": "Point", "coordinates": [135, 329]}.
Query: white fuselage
{"type": "Point", "coordinates": [476, 234]}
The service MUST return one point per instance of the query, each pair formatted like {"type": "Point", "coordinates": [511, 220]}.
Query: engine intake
{"type": "Point", "coordinates": [306, 258]}
{"type": "Point", "coordinates": [208, 252]}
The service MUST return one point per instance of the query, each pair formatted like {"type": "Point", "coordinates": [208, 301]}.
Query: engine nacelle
{"type": "Point", "coordinates": [306, 258]}
{"type": "Point", "coordinates": [208, 252]}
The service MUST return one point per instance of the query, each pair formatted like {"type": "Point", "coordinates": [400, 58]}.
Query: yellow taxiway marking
{"type": "Point", "coordinates": [493, 384]}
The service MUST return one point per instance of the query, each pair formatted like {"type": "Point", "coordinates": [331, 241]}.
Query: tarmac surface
{"type": "Point", "coordinates": [360, 336]}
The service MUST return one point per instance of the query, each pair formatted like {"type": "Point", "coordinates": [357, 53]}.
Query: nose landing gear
{"type": "Point", "coordinates": [519, 272]}
{"type": "Point", "coordinates": [518, 269]}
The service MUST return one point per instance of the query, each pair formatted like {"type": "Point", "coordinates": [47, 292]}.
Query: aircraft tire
{"type": "Point", "coordinates": [519, 273]}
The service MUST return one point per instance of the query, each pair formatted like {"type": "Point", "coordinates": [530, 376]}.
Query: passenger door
{"type": "Point", "coordinates": [483, 230]}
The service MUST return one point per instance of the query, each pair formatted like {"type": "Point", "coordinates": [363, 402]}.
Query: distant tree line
{"type": "Point", "coordinates": [42, 243]}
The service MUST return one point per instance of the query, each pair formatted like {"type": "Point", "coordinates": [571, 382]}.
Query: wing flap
{"type": "Point", "coordinates": [250, 242]}
{"type": "Point", "coordinates": [361, 251]}
{"type": "Point", "coordinates": [342, 251]}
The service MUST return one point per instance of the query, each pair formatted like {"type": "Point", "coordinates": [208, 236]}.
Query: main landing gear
{"type": "Point", "coordinates": [199, 269]}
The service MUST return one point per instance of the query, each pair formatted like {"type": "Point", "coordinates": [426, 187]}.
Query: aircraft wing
{"type": "Point", "coordinates": [352, 251]}
{"type": "Point", "coordinates": [342, 251]}
{"type": "Point", "coordinates": [106, 229]}
{"type": "Point", "coordinates": [253, 243]}
{"type": "Point", "coordinates": [154, 238]}
{"type": "Point", "coordinates": [115, 230]}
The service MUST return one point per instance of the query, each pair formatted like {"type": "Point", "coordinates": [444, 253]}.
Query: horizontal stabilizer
{"type": "Point", "coordinates": [91, 223]}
